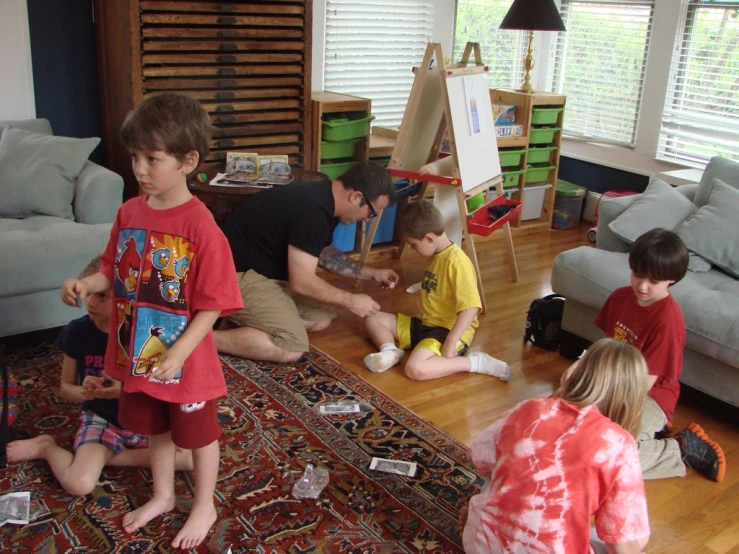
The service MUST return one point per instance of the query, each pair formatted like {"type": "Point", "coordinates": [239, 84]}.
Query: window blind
{"type": "Point", "coordinates": [599, 63]}
{"type": "Point", "coordinates": [503, 51]}
{"type": "Point", "coordinates": [371, 47]}
{"type": "Point", "coordinates": [701, 115]}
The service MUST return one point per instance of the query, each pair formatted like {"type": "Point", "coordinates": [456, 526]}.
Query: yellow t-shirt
{"type": "Point", "coordinates": [449, 286]}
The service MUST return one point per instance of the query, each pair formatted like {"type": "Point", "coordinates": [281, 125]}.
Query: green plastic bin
{"type": "Point", "coordinates": [540, 154]}
{"type": "Point", "coordinates": [510, 178]}
{"type": "Point", "coordinates": [538, 173]}
{"type": "Point", "coordinates": [511, 157]}
{"type": "Point", "coordinates": [334, 150]}
{"type": "Point", "coordinates": [545, 115]}
{"type": "Point", "coordinates": [346, 128]}
{"type": "Point", "coordinates": [336, 169]}
{"type": "Point", "coordinates": [542, 135]}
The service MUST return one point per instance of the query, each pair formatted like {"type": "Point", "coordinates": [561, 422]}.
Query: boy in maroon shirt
{"type": "Point", "coordinates": [646, 316]}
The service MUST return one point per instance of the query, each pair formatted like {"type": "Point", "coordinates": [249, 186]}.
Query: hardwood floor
{"type": "Point", "coordinates": [690, 515]}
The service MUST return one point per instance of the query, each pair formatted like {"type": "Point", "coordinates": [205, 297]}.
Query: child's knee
{"type": "Point", "coordinates": [80, 484]}
{"type": "Point", "coordinates": [414, 370]}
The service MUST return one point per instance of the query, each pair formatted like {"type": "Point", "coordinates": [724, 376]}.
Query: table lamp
{"type": "Point", "coordinates": [532, 15]}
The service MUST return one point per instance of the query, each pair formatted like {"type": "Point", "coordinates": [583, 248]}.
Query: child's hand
{"type": "Point", "coordinates": [449, 350]}
{"type": "Point", "coordinates": [171, 364]}
{"type": "Point", "coordinates": [71, 289]}
{"type": "Point", "coordinates": [101, 387]}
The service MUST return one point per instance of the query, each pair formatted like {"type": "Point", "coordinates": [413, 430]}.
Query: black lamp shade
{"type": "Point", "coordinates": [533, 15]}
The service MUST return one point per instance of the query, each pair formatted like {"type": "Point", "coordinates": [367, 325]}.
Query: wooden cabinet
{"type": "Point", "coordinates": [246, 61]}
{"type": "Point", "coordinates": [542, 117]}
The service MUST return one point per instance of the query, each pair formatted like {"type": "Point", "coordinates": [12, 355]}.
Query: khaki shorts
{"type": "Point", "coordinates": [270, 306]}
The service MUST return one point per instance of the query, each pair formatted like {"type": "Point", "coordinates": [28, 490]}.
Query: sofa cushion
{"type": "Point", "coordinates": [40, 126]}
{"type": "Point", "coordinates": [37, 172]}
{"type": "Point", "coordinates": [713, 231]}
{"type": "Point", "coordinates": [709, 301]}
{"type": "Point", "coordinates": [40, 252]}
{"type": "Point", "coordinates": [717, 168]}
{"type": "Point", "coordinates": [660, 206]}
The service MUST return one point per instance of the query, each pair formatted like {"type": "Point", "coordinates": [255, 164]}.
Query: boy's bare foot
{"type": "Point", "coordinates": [141, 516]}
{"type": "Point", "coordinates": [196, 527]}
{"type": "Point", "coordinates": [30, 449]}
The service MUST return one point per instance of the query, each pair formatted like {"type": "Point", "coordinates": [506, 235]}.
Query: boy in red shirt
{"type": "Point", "coordinates": [647, 316]}
{"type": "Point", "coordinates": [172, 276]}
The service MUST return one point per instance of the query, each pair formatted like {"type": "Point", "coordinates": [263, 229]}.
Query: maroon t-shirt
{"type": "Point", "coordinates": [658, 331]}
{"type": "Point", "coordinates": [165, 266]}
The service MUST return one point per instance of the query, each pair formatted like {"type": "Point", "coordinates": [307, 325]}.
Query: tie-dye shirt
{"type": "Point", "coordinates": [551, 467]}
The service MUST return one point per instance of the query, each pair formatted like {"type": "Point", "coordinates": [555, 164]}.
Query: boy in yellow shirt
{"type": "Point", "coordinates": [450, 303]}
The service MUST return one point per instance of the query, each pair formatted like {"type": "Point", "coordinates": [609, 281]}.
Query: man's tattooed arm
{"type": "Point", "coordinates": [338, 263]}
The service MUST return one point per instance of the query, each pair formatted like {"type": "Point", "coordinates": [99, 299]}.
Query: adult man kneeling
{"type": "Point", "coordinates": [278, 238]}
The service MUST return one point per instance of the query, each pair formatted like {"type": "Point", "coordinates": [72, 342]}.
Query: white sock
{"type": "Point", "coordinates": [388, 356]}
{"type": "Point", "coordinates": [487, 365]}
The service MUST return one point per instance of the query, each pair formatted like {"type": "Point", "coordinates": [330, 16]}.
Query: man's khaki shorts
{"type": "Point", "coordinates": [270, 306]}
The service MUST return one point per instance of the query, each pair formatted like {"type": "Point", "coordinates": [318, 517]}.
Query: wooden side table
{"type": "Point", "coordinates": [221, 201]}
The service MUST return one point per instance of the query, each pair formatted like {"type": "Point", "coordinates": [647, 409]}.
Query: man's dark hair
{"type": "Point", "coordinates": [660, 255]}
{"type": "Point", "coordinates": [171, 122]}
{"type": "Point", "coordinates": [371, 179]}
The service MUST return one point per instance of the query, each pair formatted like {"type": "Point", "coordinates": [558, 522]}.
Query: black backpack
{"type": "Point", "coordinates": [544, 320]}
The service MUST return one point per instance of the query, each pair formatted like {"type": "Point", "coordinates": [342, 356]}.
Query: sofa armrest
{"type": "Point", "coordinates": [98, 193]}
{"type": "Point", "coordinates": [608, 210]}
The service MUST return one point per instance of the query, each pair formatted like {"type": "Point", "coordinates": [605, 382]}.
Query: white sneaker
{"type": "Point", "coordinates": [486, 364]}
{"type": "Point", "coordinates": [377, 362]}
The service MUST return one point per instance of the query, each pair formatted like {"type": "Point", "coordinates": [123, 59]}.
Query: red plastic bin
{"type": "Point", "coordinates": [479, 222]}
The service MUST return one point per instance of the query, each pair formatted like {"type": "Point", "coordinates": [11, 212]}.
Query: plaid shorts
{"type": "Point", "coordinates": [96, 430]}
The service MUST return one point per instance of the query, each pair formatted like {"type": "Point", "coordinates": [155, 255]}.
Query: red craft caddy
{"type": "Point", "coordinates": [479, 222]}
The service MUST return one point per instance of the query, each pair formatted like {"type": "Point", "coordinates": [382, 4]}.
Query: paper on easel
{"type": "Point", "coordinates": [445, 199]}
{"type": "Point", "coordinates": [442, 166]}
{"type": "Point", "coordinates": [475, 93]}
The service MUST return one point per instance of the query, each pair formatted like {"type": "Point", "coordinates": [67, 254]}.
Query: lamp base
{"type": "Point", "coordinates": [528, 64]}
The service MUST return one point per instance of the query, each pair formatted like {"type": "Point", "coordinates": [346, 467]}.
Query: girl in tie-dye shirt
{"type": "Point", "coordinates": [553, 463]}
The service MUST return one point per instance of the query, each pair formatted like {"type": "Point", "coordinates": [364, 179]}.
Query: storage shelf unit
{"type": "Point", "coordinates": [542, 116]}
{"type": "Point", "coordinates": [246, 61]}
{"type": "Point", "coordinates": [324, 106]}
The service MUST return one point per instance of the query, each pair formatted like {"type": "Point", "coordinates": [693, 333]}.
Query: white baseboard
{"type": "Point", "coordinates": [591, 201]}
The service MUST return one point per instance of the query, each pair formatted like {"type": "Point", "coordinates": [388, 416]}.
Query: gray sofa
{"type": "Point", "coordinates": [585, 276]}
{"type": "Point", "coordinates": [39, 252]}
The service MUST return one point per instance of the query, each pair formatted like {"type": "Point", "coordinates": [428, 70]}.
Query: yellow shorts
{"type": "Point", "coordinates": [413, 334]}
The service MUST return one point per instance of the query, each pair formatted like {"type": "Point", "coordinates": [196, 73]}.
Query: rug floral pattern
{"type": "Point", "coordinates": [271, 430]}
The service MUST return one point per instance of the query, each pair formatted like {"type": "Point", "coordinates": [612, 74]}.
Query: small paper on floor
{"type": "Point", "coordinates": [398, 467]}
{"type": "Point", "coordinates": [15, 508]}
{"type": "Point", "coordinates": [414, 288]}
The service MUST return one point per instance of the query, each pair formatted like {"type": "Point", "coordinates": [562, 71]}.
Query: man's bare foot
{"type": "Point", "coordinates": [29, 449]}
{"type": "Point", "coordinates": [196, 527]}
{"type": "Point", "coordinates": [141, 516]}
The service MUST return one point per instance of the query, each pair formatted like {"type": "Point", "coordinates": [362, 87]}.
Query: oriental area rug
{"type": "Point", "coordinates": [272, 428]}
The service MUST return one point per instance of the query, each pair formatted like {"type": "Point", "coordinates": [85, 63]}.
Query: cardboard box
{"type": "Point", "coordinates": [504, 114]}
{"type": "Point", "coordinates": [509, 131]}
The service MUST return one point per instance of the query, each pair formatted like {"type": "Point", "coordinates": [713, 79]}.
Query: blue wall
{"type": "Point", "coordinates": [64, 70]}
{"type": "Point", "coordinates": [598, 178]}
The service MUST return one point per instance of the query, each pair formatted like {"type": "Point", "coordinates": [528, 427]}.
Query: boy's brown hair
{"type": "Point", "coordinates": [659, 255]}
{"type": "Point", "coordinates": [92, 268]}
{"type": "Point", "coordinates": [419, 218]}
{"type": "Point", "coordinates": [171, 122]}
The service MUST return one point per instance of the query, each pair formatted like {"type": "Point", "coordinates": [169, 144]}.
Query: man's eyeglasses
{"type": "Point", "coordinates": [372, 211]}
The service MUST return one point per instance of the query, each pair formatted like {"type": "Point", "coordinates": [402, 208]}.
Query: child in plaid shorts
{"type": "Point", "coordinates": [100, 440]}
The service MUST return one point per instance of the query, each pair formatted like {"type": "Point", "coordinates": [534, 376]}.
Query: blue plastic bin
{"type": "Point", "coordinates": [345, 235]}
{"type": "Point", "coordinates": [386, 228]}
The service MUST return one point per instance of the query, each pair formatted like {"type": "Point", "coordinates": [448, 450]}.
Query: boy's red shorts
{"type": "Point", "coordinates": [193, 425]}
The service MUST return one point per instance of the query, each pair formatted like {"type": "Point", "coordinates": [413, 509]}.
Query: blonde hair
{"type": "Point", "coordinates": [612, 376]}
{"type": "Point", "coordinates": [420, 218]}
{"type": "Point", "coordinates": [92, 268]}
